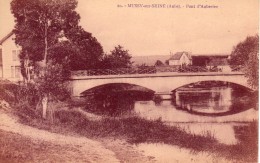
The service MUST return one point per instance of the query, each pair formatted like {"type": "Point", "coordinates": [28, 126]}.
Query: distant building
{"type": "Point", "coordinates": [221, 63]}
{"type": "Point", "coordinates": [180, 58]}
{"type": "Point", "coordinates": [9, 59]}
{"type": "Point", "coordinates": [212, 60]}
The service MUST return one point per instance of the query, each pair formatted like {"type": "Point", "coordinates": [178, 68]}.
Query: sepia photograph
{"type": "Point", "coordinates": [129, 81]}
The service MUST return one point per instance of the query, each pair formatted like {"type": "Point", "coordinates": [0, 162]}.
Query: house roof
{"type": "Point", "coordinates": [6, 37]}
{"type": "Point", "coordinates": [178, 55]}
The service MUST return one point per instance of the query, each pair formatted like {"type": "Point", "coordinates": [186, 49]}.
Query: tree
{"type": "Point", "coordinates": [40, 25]}
{"type": "Point", "coordinates": [48, 31]}
{"type": "Point", "coordinates": [240, 53]}
{"type": "Point", "coordinates": [51, 87]}
{"type": "Point", "coordinates": [119, 58]}
{"type": "Point", "coordinates": [158, 63]}
{"type": "Point", "coordinates": [251, 68]}
{"type": "Point", "coordinates": [246, 54]}
{"type": "Point", "coordinates": [89, 50]}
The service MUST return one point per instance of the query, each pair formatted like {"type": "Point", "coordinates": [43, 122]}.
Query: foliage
{"type": "Point", "coordinates": [51, 26]}
{"type": "Point", "coordinates": [119, 58]}
{"type": "Point", "coordinates": [241, 52]}
{"type": "Point", "coordinates": [52, 83]}
{"type": "Point", "coordinates": [62, 54]}
{"type": "Point", "coordinates": [158, 63]}
{"type": "Point", "coordinates": [38, 19]}
{"type": "Point", "coordinates": [52, 43]}
{"type": "Point", "coordinates": [246, 54]}
{"type": "Point", "coordinates": [89, 51]}
{"type": "Point", "coordinates": [7, 91]}
{"type": "Point", "coordinates": [251, 68]}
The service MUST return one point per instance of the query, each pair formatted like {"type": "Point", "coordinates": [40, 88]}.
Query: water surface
{"type": "Point", "coordinates": [204, 108]}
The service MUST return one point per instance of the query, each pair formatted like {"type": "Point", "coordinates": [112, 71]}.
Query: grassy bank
{"type": "Point", "coordinates": [138, 130]}
{"type": "Point", "coordinates": [17, 148]}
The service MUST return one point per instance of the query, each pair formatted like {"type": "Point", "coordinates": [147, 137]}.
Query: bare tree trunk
{"type": "Point", "coordinates": [44, 106]}
{"type": "Point", "coordinates": [45, 96]}
{"type": "Point", "coordinates": [46, 43]}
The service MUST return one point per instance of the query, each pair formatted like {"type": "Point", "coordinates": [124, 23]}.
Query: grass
{"type": "Point", "coordinates": [16, 148]}
{"type": "Point", "coordinates": [137, 130]}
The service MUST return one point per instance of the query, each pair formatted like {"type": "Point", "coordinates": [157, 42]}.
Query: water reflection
{"type": "Point", "coordinates": [120, 103]}
{"type": "Point", "coordinates": [202, 99]}
{"type": "Point", "coordinates": [202, 108]}
{"type": "Point", "coordinates": [217, 100]}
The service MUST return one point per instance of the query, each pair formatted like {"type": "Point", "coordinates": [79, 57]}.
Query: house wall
{"type": "Point", "coordinates": [10, 59]}
{"type": "Point", "coordinates": [183, 60]}
{"type": "Point", "coordinates": [174, 62]}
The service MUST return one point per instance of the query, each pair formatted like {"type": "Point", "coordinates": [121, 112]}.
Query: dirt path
{"type": "Point", "coordinates": [86, 150]}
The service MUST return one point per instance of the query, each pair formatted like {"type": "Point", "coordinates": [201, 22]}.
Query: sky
{"type": "Point", "coordinates": [159, 31]}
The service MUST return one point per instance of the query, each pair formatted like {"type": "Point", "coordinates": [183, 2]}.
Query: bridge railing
{"type": "Point", "coordinates": [123, 71]}
{"type": "Point", "coordinates": [142, 70]}
{"type": "Point", "coordinates": [119, 71]}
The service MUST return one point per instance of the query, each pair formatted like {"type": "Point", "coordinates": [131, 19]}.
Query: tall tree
{"type": "Point", "coordinates": [246, 55]}
{"type": "Point", "coordinates": [240, 53]}
{"type": "Point", "coordinates": [251, 68]}
{"type": "Point", "coordinates": [40, 24]}
{"type": "Point", "coordinates": [48, 31]}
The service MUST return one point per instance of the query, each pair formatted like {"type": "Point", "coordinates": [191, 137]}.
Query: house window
{"type": "Point", "coordinates": [15, 71]}
{"type": "Point", "coordinates": [16, 55]}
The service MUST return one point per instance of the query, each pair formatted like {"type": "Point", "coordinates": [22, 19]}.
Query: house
{"type": "Point", "coordinates": [219, 61]}
{"type": "Point", "coordinates": [9, 59]}
{"type": "Point", "coordinates": [180, 58]}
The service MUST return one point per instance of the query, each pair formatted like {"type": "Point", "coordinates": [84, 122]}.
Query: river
{"type": "Point", "coordinates": [221, 110]}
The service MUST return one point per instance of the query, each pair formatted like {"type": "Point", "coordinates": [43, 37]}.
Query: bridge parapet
{"type": "Point", "coordinates": [80, 76]}
{"type": "Point", "coordinates": [118, 71]}
{"type": "Point", "coordinates": [142, 70]}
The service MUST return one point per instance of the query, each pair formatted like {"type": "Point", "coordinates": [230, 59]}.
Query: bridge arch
{"type": "Point", "coordinates": [116, 87]}
{"type": "Point", "coordinates": [243, 85]}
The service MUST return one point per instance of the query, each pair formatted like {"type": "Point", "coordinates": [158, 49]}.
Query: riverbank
{"type": "Point", "coordinates": [22, 143]}
{"type": "Point", "coordinates": [129, 138]}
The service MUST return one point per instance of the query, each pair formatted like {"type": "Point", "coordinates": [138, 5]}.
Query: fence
{"type": "Point", "coordinates": [140, 70]}
{"type": "Point", "coordinates": [119, 71]}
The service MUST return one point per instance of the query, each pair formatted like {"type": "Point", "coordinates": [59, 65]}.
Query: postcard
{"type": "Point", "coordinates": [129, 81]}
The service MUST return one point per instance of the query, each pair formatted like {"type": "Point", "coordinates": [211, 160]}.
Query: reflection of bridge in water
{"type": "Point", "coordinates": [161, 83]}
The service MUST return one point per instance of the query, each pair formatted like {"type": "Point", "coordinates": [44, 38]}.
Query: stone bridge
{"type": "Point", "coordinates": [158, 82]}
